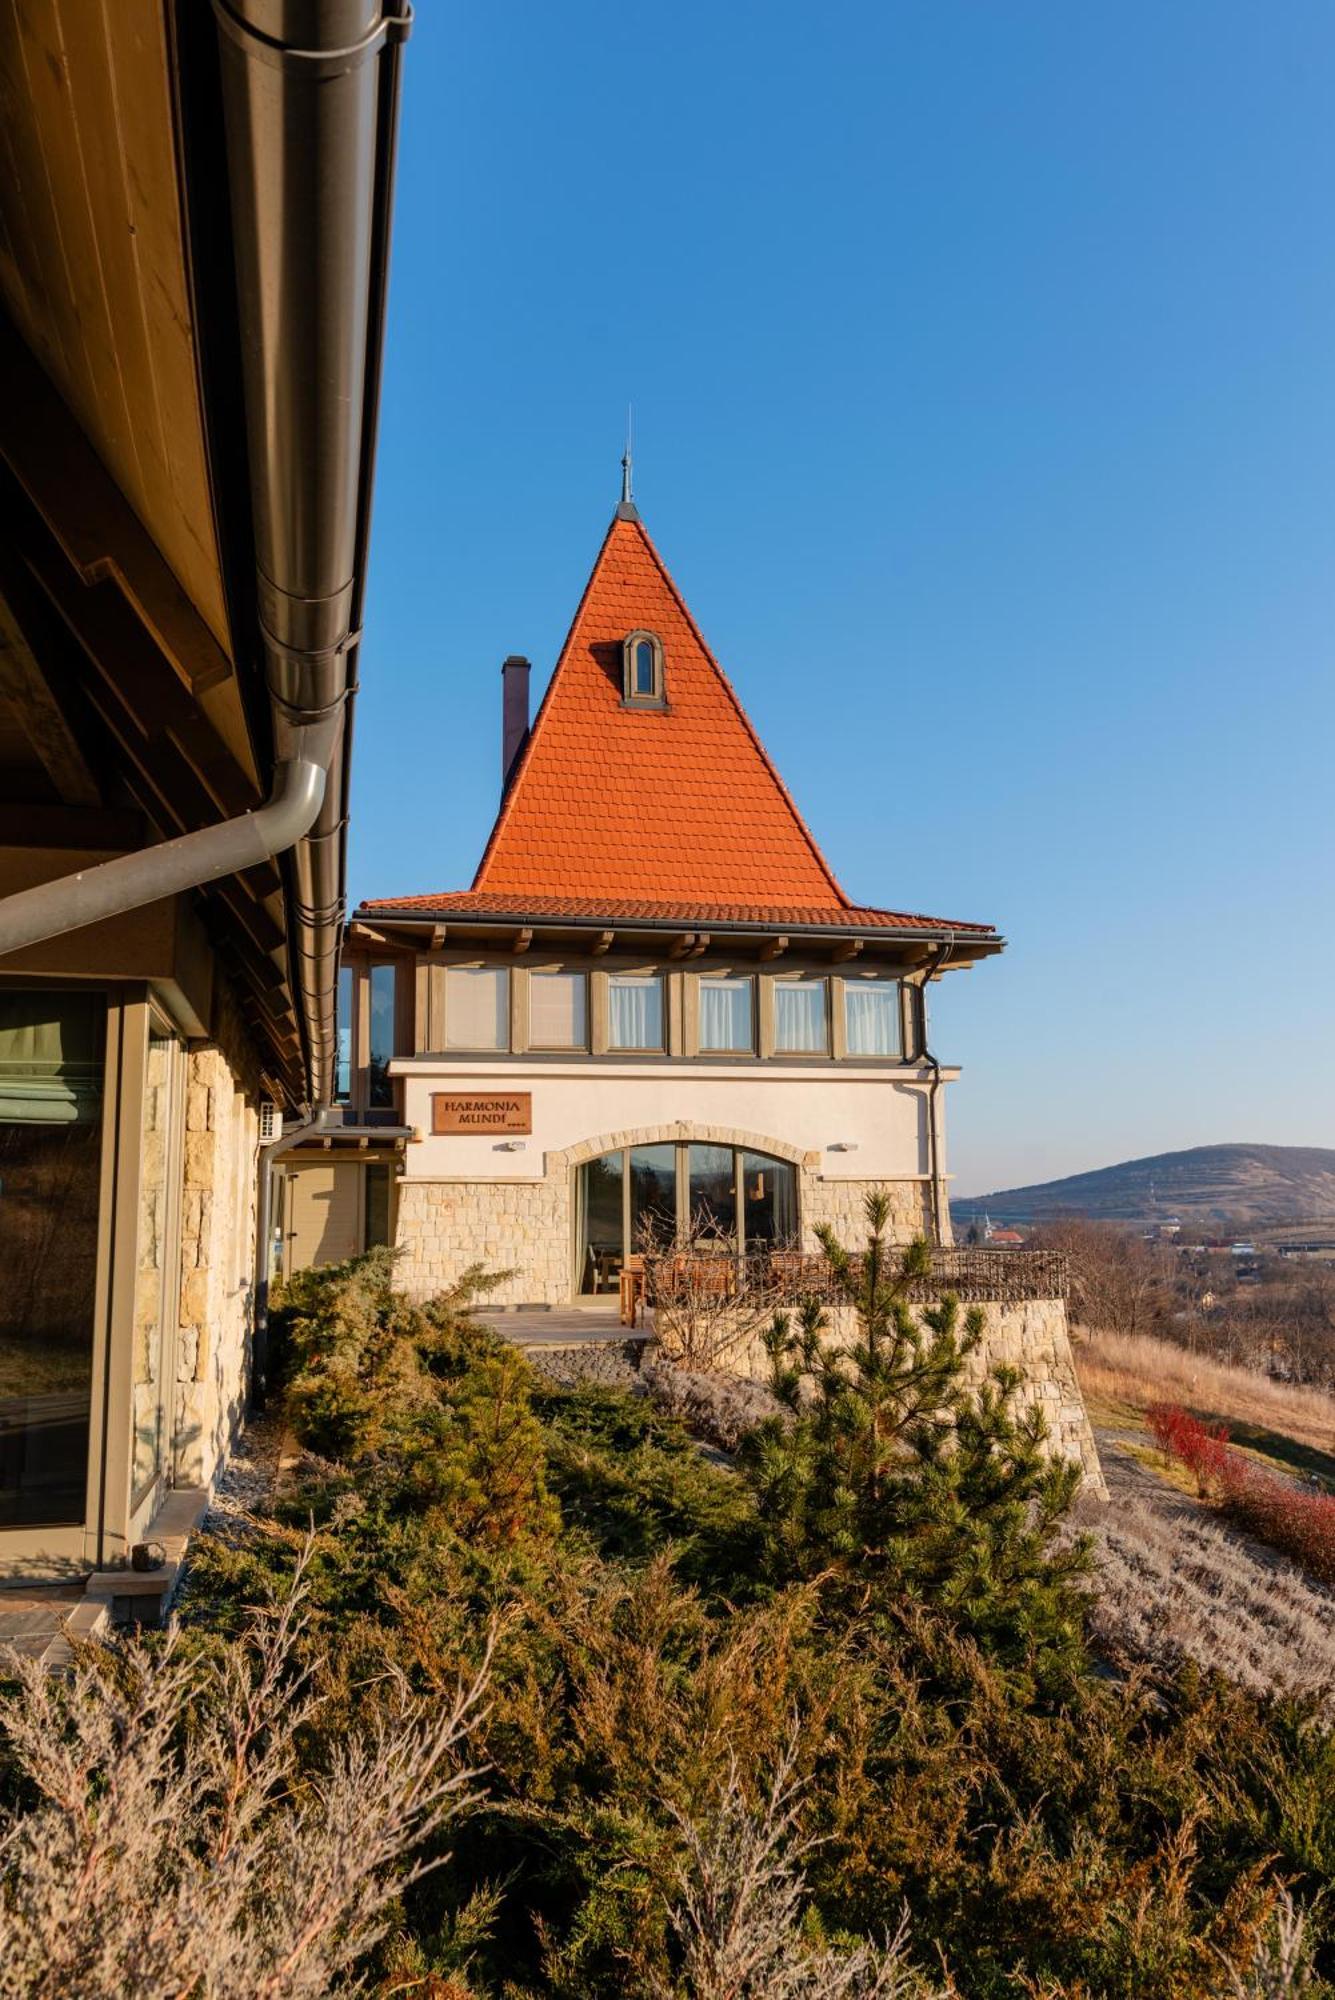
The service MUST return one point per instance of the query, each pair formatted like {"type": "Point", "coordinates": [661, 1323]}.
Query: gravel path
{"type": "Point", "coordinates": [247, 1480]}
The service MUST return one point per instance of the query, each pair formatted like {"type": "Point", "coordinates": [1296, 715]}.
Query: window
{"type": "Point", "coordinates": [725, 1201]}
{"type": "Point", "coordinates": [642, 670]}
{"type": "Point", "coordinates": [711, 1192]}
{"type": "Point", "coordinates": [727, 1016]}
{"type": "Point", "coordinates": [384, 986]}
{"type": "Point", "coordinates": [871, 1017]}
{"type": "Point", "coordinates": [801, 1025]}
{"type": "Point", "coordinates": [51, 1069]}
{"type": "Point", "coordinates": [635, 1011]}
{"type": "Point", "coordinates": [375, 1206]}
{"type": "Point", "coordinates": [343, 1080]}
{"type": "Point", "coordinates": [557, 1010]}
{"type": "Point", "coordinates": [477, 1008]}
{"type": "Point", "coordinates": [769, 1201]}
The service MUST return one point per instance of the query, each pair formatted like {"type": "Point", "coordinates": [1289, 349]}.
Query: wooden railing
{"type": "Point", "coordinates": [780, 1277]}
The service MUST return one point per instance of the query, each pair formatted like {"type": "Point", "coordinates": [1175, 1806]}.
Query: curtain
{"type": "Point", "coordinates": [799, 1015]}
{"type": "Point", "coordinates": [556, 1010]}
{"type": "Point", "coordinates": [477, 1009]}
{"type": "Point", "coordinates": [50, 1058]}
{"type": "Point", "coordinates": [725, 1014]}
{"type": "Point", "coordinates": [871, 1011]}
{"type": "Point", "coordinates": [635, 1013]}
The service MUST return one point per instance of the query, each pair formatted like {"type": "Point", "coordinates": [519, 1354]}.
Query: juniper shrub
{"type": "Point", "coordinates": [664, 1643]}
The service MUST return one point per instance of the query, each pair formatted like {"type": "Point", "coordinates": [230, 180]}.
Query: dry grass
{"type": "Point", "coordinates": [1132, 1371]}
{"type": "Point", "coordinates": [1173, 1585]}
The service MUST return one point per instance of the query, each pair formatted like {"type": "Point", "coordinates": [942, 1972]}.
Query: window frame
{"type": "Point", "coordinates": [826, 1049]}
{"type": "Point", "coordinates": [857, 982]}
{"type": "Point", "coordinates": [630, 697]}
{"type": "Point", "coordinates": [749, 1048]}
{"type": "Point", "coordinates": [102, 1530]}
{"type": "Point", "coordinates": [506, 1011]}
{"type": "Point", "coordinates": [580, 1047]}
{"type": "Point", "coordinates": [658, 1048]}
{"type": "Point", "coordinates": [372, 967]}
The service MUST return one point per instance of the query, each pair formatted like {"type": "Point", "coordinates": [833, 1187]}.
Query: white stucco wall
{"type": "Point", "coordinates": [881, 1114]}
{"type": "Point", "coordinates": [471, 1199]}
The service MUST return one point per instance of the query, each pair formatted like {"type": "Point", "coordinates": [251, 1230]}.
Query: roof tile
{"type": "Point", "coordinates": [669, 815]}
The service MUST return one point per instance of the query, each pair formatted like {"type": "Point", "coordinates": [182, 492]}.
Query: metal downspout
{"type": "Point", "coordinates": [938, 965]}
{"type": "Point", "coordinates": [192, 859]}
{"type": "Point", "coordinates": [310, 94]}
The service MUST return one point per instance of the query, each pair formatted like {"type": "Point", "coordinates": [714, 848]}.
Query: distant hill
{"type": "Point", "coordinates": [1254, 1186]}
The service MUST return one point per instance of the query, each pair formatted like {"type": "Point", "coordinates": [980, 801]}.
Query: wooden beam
{"type": "Point", "coordinates": [22, 684]}
{"type": "Point", "coordinates": [438, 933]}
{"type": "Point", "coordinates": [774, 947]}
{"type": "Point", "coordinates": [363, 934]}
{"type": "Point", "coordinates": [100, 534]}
{"type": "Point", "coordinates": [602, 943]}
{"type": "Point", "coordinates": [701, 945]}
{"type": "Point", "coordinates": [522, 940]}
{"type": "Point", "coordinates": [681, 946]}
{"type": "Point", "coordinates": [850, 948]}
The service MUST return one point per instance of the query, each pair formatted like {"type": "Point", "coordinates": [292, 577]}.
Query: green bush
{"type": "Point", "coordinates": [876, 1596]}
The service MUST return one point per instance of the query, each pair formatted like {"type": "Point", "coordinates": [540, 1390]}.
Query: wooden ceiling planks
{"type": "Point", "coordinates": [92, 259]}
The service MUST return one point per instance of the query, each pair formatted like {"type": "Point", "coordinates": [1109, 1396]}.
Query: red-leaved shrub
{"type": "Point", "coordinates": [1182, 1436]}
{"type": "Point", "coordinates": [1300, 1523]}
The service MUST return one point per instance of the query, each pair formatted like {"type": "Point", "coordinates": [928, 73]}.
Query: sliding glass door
{"type": "Point", "coordinates": [52, 1067]}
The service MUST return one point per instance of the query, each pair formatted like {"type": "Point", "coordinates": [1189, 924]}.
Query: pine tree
{"type": "Point", "coordinates": [890, 1470]}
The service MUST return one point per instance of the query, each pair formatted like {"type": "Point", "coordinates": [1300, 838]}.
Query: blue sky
{"type": "Point", "coordinates": [983, 361]}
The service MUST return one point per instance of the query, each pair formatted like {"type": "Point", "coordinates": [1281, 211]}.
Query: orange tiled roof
{"type": "Point", "coordinates": [649, 804]}
{"type": "Point", "coordinates": [682, 910]}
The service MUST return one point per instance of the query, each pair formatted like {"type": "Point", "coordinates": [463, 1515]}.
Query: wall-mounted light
{"type": "Point", "coordinates": [844, 1146]}
{"type": "Point", "coordinates": [510, 1145]}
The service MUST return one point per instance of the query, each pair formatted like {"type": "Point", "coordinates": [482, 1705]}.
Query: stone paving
{"type": "Point", "coordinates": [33, 1617]}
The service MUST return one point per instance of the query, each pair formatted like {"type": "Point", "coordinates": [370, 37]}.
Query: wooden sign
{"type": "Point", "coordinates": [491, 1111]}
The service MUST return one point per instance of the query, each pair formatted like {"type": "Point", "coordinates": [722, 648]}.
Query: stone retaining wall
{"type": "Point", "coordinates": [1033, 1337]}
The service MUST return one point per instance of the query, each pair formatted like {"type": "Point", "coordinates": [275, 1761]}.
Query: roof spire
{"type": "Point", "coordinates": [627, 510]}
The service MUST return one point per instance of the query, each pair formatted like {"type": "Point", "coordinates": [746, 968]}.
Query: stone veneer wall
{"type": "Point", "coordinates": [526, 1227]}
{"type": "Point", "coordinates": [217, 1245]}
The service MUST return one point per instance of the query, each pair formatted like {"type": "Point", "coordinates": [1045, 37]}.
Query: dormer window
{"type": "Point", "coordinates": [643, 671]}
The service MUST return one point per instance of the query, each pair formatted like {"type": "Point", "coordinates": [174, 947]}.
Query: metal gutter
{"type": "Point", "coordinates": [641, 926]}
{"type": "Point", "coordinates": [310, 95]}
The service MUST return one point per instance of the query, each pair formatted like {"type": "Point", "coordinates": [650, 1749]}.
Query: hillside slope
{"type": "Point", "coordinates": [1251, 1185]}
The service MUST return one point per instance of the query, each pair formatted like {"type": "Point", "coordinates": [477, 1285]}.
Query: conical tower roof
{"type": "Point", "coordinates": [666, 812]}
{"type": "Point", "coordinates": [654, 804]}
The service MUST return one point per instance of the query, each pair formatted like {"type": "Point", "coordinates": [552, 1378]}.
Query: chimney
{"type": "Point", "coordinates": [514, 715]}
